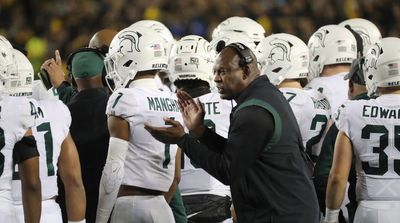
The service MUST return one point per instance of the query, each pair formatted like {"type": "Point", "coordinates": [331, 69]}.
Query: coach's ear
{"type": "Point", "coordinates": [246, 72]}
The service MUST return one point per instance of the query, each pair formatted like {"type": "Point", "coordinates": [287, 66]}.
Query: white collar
{"type": "Point", "coordinates": [145, 82]}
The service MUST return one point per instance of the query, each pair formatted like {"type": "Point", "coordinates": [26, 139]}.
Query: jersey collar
{"type": "Point", "coordinates": [146, 82]}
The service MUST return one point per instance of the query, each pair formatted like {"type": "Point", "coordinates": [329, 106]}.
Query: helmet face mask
{"type": "Point", "coordinates": [133, 50]}
{"type": "Point", "coordinates": [22, 84]}
{"type": "Point", "coordinates": [118, 76]}
{"type": "Point", "coordinates": [330, 44]}
{"type": "Point", "coordinates": [283, 56]}
{"type": "Point", "coordinates": [8, 69]}
{"type": "Point", "coordinates": [192, 58]}
{"type": "Point", "coordinates": [381, 66]}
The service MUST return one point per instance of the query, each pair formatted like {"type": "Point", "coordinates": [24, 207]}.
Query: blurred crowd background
{"type": "Point", "coordinates": [41, 26]}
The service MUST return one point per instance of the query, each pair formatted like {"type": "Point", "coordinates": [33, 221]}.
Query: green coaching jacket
{"type": "Point", "coordinates": [261, 159]}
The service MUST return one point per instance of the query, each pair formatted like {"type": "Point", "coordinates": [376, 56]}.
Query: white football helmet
{"type": "Point", "coordinates": [133, 50]}
{"type": "Point", "coordinates": [243, 25]}
{"type": "Point", "coordinates": [192, 58]}
{"type": "Point", "coordinates": [22, 84]}
{"type": "Point", "coordinates": [7, 65]}
{"type": "Point", "coordinates": [218, 43]}
{"type": "Point", "coordinates": [283, 56]}
{"type": "Point", "coordinates": [39, 91]}
{"type": "Point", "coordinates": [159, 28]}
{"type": "Point", "coordinates": [5, 41]}
{"type": "Point", "coordinates": [382, 65]}
{"type": "Point", "coordinates": [330, 44]}
{"type": "Point", "coordinates": [368, 31]}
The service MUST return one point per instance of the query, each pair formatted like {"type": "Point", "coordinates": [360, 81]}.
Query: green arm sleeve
{"type": "Point", "coordinates": [65, 92]}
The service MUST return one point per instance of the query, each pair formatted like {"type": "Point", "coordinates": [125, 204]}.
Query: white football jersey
{"type": "Point", "coordinates": [17, 115]}
{"type": "Point", "coordinates": [312, 111]}
{"type": "Point", "coordinates": [335, 89]}
{"type": "Point", "coordinates": [373, 127]}
{"type": "Point", "coordinates": [196, 180]}
{"type": "Point", "coordinates": [149, 163]}
{"type": "Point", "coordinates": [52, 127]}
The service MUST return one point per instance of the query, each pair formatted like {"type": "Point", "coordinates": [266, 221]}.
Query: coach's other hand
{"type": "Point", "coordinates": [168, 134]}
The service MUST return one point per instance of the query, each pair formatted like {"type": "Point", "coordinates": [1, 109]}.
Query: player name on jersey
{"type": "Point", "coordinates": [162, 104]}
{"type": "Point", "coordinates": [211, 108]}
{"type": "Point", "coordinates": [379, 112]}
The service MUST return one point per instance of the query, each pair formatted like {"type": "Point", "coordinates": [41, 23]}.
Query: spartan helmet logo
{"type": "Point", "coordinates": [321, 35]}
{"type": "Point", "coordinates": [366, 39]}
{"type": "Point", "coordinates": [319, 40]}
{"type": "Point", "coordinates": [371, 60]}
{"type": "Point", "coordinates": [133, 38]}
{"type": "Point", "coordinates": [280, 50]}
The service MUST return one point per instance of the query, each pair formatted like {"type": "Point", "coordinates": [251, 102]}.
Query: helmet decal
{"type": "Point", "coordinates": [366, 39]}
{"type": "Point", "coordinates": [367, 30]}
{"type": "Point", "coordinates": [281, 50]}
{"type": "Point", "coordinates": [131, 36]}
{"type": "Point", "coordinates": [321, 36]}
{"type": "Point", "coordinates": [370, 62]}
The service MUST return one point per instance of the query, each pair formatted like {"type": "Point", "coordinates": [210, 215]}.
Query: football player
{"type": "Point", "coordinates": [17, 144]}
{"type": "Point", "coordinates": [57, 153]}
{"type": "Point", "coordinates": [332, 49]}
{"type": "Point", "coordinates": [139, 169]}
{"type": "Point", "coordinates": [368, 130]}
{"type": "Point", "coordinates": [366, 34]}
{"type": "Point", "coordinates": [284, 58]}
{"type": "Point", "coordinates": [191, 62]}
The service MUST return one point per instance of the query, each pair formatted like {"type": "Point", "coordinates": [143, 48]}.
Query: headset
{"type": "Point", "coordinates": [99, 52]}
{"type": "Point", "coordinates": [243, 53]}
{"type": "Point", "coordinates": [357, 69]}
{"type": "Point", "coordinates": [45, 78]}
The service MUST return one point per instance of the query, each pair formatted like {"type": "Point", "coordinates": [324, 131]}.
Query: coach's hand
{"type": "Point", "coordinates": [169, 134]}
{"type": "Point", "coordinates": [192, 113]}
{"type": "Point", "coordinates": [54, 69]}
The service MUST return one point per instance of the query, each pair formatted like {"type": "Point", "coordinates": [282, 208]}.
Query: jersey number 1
{"type": "Point", "coordinates": [48, 141]}
{"type": "Point", "coordinates": [2, 144]}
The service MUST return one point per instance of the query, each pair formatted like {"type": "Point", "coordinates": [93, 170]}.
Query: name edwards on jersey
{"type": "Point", "coordinates": [379, 112]}
{"type": "Point", "coordinates": [162, 104]}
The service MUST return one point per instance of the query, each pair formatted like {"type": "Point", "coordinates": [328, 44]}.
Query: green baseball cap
{"type": "Point", "coordinates": [87, 64]}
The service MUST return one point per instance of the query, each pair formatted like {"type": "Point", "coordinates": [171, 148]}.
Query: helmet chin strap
{"type": "Point", "coordinates": [131, 74]}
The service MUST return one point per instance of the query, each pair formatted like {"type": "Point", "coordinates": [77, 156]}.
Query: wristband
{"type": "Point", "coordinates": [332, 215]}
{"type": "Point", "coordinates": [80, 221]}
